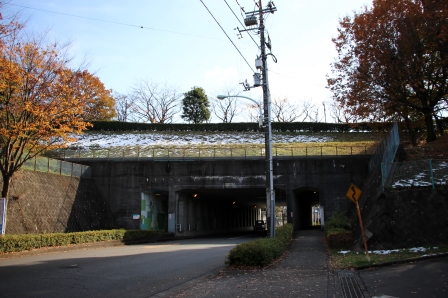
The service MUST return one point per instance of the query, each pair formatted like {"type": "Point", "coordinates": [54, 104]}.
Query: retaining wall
{"type": "Point", "coordinates": [47, 203]}
{"type": "Point", "coordinates": [408, 218]}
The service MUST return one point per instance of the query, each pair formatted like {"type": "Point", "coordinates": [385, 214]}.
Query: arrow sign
{"type": "Point", "coordinates": [353, 193]}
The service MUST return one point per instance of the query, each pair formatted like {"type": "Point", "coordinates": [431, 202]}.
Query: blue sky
{"type": "Point", "coordinates": [181, 45]}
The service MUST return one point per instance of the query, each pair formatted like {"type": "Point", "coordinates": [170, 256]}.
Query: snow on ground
{"type": "Point", "coordinates": [389, 251]}
{"type": "Point", "coordinates": [420, 174]}
{"type": "Point", "coordinates": [105, 140]}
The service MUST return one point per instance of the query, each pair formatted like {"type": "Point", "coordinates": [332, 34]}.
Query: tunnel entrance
{"type": "Point", "coordinates": [214, 211]}
{"type": "Point", "coordinates": [307, 209]}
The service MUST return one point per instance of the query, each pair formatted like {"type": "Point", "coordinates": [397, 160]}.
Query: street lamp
{"type": "Point", "coordinates": [270, 194]}
{"type": "Point", "coordinates": [260, 117]}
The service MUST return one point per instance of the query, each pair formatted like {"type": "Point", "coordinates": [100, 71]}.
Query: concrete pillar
{"type": "Point", "coordinates": [181, 218]}
{"type": "Point", "coordinates": [172, 205]}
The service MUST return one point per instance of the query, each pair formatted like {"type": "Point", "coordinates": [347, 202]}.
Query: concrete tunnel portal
{"type": "Point", "coordinates": [208, 211]}
{"type": "Point", "coordinates": [206, 197]}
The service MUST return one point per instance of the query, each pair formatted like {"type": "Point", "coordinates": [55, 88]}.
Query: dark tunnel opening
{"type": "Point", "coordinates": [221, 210]}
{"type": "Point", "coordinates": [307, 209]}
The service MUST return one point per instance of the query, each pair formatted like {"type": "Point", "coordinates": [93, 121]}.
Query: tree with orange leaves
{"type": "Point", "coordinates": [100, 104]}
{"type": "Point", "coordinates": [42, 101]}
{"type": "Point", "coordinates": [393, 61]}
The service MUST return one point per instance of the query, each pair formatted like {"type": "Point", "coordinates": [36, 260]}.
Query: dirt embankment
{"type": "Point", "coordinates": [433, 150]}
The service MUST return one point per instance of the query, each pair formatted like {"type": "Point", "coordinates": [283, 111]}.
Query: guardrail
{"type": "Point", "coordinates": [212, 152]}
{"type": "Point", "coordinates": [55, 166]}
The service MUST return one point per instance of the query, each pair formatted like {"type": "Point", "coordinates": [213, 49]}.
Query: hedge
{"type": "Point", "coordinates": [240, 127]}
{"type": "Point", "coordinates": [16, 243]}
{"type": "Point", "coordinates": [261, 252]}
{"type": "Point", "coordinates": [338, 231]}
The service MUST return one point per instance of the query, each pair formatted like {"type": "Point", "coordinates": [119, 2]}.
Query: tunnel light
{"type": "Point", "coordinates": [234, 203]}
{"type": "Point", "coordinates": [195, 195]}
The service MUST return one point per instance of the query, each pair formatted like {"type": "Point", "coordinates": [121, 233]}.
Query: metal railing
{"type": "Point", "coordinates": [55, 166]}
{"type": "Point", "coordinates": [212, 152]}
{"type": "Point", "coordinates": [417, 174]}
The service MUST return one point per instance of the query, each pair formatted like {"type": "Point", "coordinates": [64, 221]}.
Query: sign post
{"type": "Point", "coordinates": [354, 193]}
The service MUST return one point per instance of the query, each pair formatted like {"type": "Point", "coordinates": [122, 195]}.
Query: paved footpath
{"type": "Point", "coordinates": [303, 272]}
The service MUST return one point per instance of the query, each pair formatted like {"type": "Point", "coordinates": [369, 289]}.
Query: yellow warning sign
{"type": "Point", "coordinates": [353, 193]}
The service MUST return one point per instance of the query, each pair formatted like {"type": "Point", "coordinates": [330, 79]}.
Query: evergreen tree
{"type": "Point", "coordinates": [195, 106]}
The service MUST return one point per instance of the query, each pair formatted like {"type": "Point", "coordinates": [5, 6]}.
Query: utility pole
{"type": "Point", "coordinates": [270, 192]}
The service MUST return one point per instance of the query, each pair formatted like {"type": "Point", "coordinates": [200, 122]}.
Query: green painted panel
{"type": "Point", "coordinates": [148, 223]}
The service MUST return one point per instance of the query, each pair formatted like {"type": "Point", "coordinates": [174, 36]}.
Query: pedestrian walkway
{"type": "Point", "coordinates": [303, 272]}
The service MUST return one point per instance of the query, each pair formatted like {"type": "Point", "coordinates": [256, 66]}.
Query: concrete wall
{"type": "Point", "coordinates": [41, 202]}
{"type": "Point", "coordinates": [123, 182]}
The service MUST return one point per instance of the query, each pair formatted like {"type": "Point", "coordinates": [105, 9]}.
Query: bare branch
{"type": "Point", "coordinates": [154, 103]}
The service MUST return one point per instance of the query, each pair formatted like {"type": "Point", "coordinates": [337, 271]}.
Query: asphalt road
{"type": "Point", "coordinates": [428, 278]}
{"type": "Point", "coordinates": [144, 270]}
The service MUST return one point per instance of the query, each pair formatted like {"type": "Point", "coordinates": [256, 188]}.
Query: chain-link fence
{"type": "Point", "coordinates": [55, 166]}
{"type": "Point", "coordinates": [212, 152]}
{"type": "Point", "coordinates": [420, 174]}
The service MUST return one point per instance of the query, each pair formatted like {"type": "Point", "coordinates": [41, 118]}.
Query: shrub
{"type": "Point", "coordinates": [261, 252]}
{"type": "Point", "coordinates": [337, 223]}
{"type": "Point", "coordinates": [16, 243]}
{"type": "Point", "coordinates": [338, 231]}
{"type": "Point", "coordinates": [340, 241]}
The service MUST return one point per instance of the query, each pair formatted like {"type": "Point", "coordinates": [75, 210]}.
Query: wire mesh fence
{"type": "Point", "coordinates": [210, 152]}
{"type": "Point", "coordinates": [420, 174]}
{"type": "Point", "coordinates": [55, 166]}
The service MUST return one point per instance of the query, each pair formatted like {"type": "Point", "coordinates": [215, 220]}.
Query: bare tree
{"type": "Point", "coordinates": [307, 109]}
{"type": "Point", "coordinates": [251, 112]}
{"type": "Point", "coordinates": [339, 115]}
{"type": "Point", "coordinates": [226, 109]}
{"type": "Point", "coordinates": [123, 106]}
{"type": "Point", "coordinates": [155, 103]}
{"type": "Point", "coordinates": [283, 110]}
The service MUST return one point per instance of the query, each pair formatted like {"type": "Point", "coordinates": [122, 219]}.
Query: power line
{"type": "Point", "coordinates": [227, 35]}
{"type": "Point", "coordinates": [241, 23]}
{"type": "Point", "coordinates": [111, 22]}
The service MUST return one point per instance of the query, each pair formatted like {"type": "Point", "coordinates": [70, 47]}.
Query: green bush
{"type": "Point", "coordinates": [16, 243]}
{"type": "Point", "coordinates": [337, 223]}
{"type": "Point", "coordinates": [338, 232]}
{"type": "Point", "coordinates": [261, 252]}
{"type": "Point", "coordinates": [276, 126]}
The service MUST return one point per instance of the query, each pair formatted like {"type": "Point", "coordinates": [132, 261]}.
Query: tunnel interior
{"type": "Point", "coordinates": [221, 210]}
{"type": "Point", "coordinates": [307, 209]}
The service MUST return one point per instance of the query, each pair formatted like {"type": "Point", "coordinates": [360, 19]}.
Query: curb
{"type": "Point", "coordinates": [73, 247]}
{"type": "Point", "coordinates": [423, 258]}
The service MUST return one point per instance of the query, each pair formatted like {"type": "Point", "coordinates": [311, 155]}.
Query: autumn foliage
{"type": "Point", "coordinates": [43, 102]}
{"type": "Point", "coordinates": [392, 62]}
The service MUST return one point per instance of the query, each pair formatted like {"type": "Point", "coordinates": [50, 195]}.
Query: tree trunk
{"type": "Point", "coordinates": [411, 131]}
{"type": "Point", "coordinates": [430, 131]}
{"type": "Point", "coordinates": [5, 187]}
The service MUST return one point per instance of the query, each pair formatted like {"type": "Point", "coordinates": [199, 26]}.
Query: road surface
{"type": "Point", "coordinates": [144, 270]}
